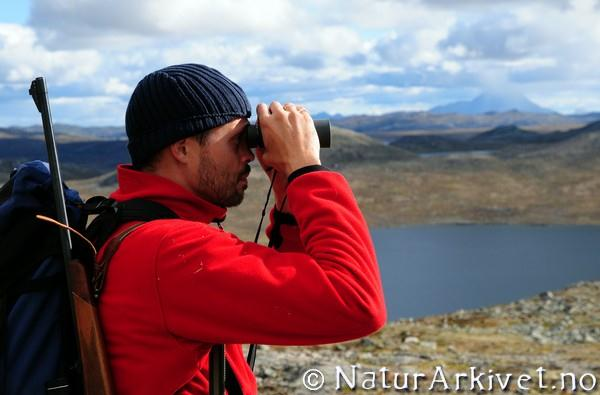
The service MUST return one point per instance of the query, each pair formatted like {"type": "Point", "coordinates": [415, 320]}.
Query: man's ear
{"type": "Point", "coordinates": [180, 151]}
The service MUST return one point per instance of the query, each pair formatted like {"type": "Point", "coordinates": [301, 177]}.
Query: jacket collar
{"type": "Point", "coordinates": [135, 184]}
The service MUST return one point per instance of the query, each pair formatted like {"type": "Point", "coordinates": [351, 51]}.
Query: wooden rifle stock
{"type": "Point", "coordinates": [94, 363]}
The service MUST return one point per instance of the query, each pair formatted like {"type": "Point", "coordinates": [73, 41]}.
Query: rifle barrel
{"type": "Point", "coordinates": [39, 93]}
{"type": "Point", "coordinates": [40, 96]}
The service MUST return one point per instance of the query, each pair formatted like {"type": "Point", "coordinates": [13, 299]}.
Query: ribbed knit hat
{"type": "Point", "coordinates": [177, 102]}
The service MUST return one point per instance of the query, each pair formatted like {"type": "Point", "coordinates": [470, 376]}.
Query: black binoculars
{"type": "Point", "coordinates": [254, 135]}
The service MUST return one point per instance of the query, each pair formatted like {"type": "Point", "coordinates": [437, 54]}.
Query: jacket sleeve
{"type": "Point", "coordinates": [214, 287]}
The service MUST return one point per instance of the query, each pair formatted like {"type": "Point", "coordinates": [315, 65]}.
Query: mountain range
{"type": "Point", "coordinates": [82, 158]}
{"type": "Point", "coordinates": [484, 112]}
{"type": "Point", "coordinates": [492, 140]}
{"type": "Point", "coordinates": [392, 125]}
{"type": "Point", "coordinates": [492, 102]}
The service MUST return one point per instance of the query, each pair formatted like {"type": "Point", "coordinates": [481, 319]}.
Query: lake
{"type": "Point", "coordinates": [442, 268]}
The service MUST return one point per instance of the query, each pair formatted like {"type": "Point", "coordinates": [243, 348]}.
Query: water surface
{"type": "Point", "coordinates": [442, 268]}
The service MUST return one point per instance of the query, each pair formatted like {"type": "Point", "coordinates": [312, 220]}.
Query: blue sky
{"type": "Point", "coordinates": [338, 56]}
{"type": "Point", "coordinates": [16, 11]}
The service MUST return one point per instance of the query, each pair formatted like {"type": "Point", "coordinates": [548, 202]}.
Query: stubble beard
{"type": "Point", "coordinates": [221, 189]}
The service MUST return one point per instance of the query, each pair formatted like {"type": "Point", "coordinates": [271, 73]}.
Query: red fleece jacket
{"type": "Point", "coordinates": [177, 286]}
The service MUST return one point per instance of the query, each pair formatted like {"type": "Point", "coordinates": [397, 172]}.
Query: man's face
{"type": "Point", "coordinates": [222, 168]}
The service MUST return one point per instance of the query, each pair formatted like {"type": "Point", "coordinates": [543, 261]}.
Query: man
{"type": "Point", "coordinates": [176, 287]}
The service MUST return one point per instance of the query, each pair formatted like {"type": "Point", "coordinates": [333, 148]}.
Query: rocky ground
{"type": "Point", "coordinates": [557, 331]}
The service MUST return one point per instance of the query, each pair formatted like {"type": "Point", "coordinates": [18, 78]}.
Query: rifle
{"type": "Point", "coordinates": [88, 334]}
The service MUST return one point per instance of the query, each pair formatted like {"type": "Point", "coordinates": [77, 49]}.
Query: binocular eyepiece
{"type": "Point", "coordinates": [254, 135]}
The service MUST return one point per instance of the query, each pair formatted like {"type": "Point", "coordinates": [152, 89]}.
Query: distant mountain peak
{"type": "Point", "coordinates": [505, 129]}
{"type": "Point", "coordinates": [507, 133]}
{"type": "Point", "coordinates": [492, 102]}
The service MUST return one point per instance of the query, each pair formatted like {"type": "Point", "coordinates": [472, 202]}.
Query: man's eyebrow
{"type": "Point", "coordinates": [236, 133]}
{"type": "Point", "coordinates": [240, 129]}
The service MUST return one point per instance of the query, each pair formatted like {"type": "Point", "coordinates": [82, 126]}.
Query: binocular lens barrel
{"type": "Point", "coordinates": [254, 135]}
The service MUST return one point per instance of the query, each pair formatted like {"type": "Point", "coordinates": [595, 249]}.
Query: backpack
{"type": "Point", "coordinates": [38, 354]}
{"type": "Point", "coordinates": [38, 351]}
{"type": "Point", "coordinates": [35, 331]}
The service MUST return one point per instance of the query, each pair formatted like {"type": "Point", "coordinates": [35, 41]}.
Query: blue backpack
{"type": "Point", "coordinates": [38, 351]}
{"type": "Point", "coordinates": [36, 334]}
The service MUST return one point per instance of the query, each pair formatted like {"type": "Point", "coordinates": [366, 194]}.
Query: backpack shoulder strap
{"type": "Point", "coordinates": [101, 266]}
{"type": "Point", "coordinates": [143, 210]}
{"type": "Point", "coordinates": [113, 214]}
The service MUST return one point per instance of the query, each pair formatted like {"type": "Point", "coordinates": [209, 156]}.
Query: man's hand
{"type": "Point", "coordinates": [291, 143]}
{"type": "Point", "coordinates": [289, 136]}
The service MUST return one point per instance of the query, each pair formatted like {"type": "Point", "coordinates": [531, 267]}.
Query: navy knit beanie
{"type": "Point", "coordinates": [178, 102]}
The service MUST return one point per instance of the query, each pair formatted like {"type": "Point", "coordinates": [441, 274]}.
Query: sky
{"type": "Point", "coordinates": [335, 56]}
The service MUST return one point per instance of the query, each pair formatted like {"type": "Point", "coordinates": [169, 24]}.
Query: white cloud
{"type": "Point", "coordinates": [409, 91]}
{"type": "Point", "coordinates": [134, 23]}
{"type": "Point", "coordinates": [531, 63]}
{"type": "Point", "coordinates": [460, 51]}
{"type": "Point", "coordinates": [22, 58]}
{"type": "Point", "coordinates": [368, 55]}
{"type": "Point", "coordinates": [568, 101]}
{"type": "Point", "coordinates": [383, 15]}
{"type": "Point", "coordinates": [331, 41]}
{"type": "Point", "coordinates": [229, 17]}
{"type": "Point", "coordinates": [89, 110]}
{"type": "Point", "coordinates": [451, 66]}
{"type": "Point", "coordinates": [114, 86]}
{"type": "Point", "coordinates": [237, 62]}
{"type": "Point", "coordinates": [356, 105]}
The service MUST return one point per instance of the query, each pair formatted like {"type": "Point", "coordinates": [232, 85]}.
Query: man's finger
{"type": "Point", "coordinates": [275, 107]}
{"type": "Point", "coordinates": [262, 110]}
